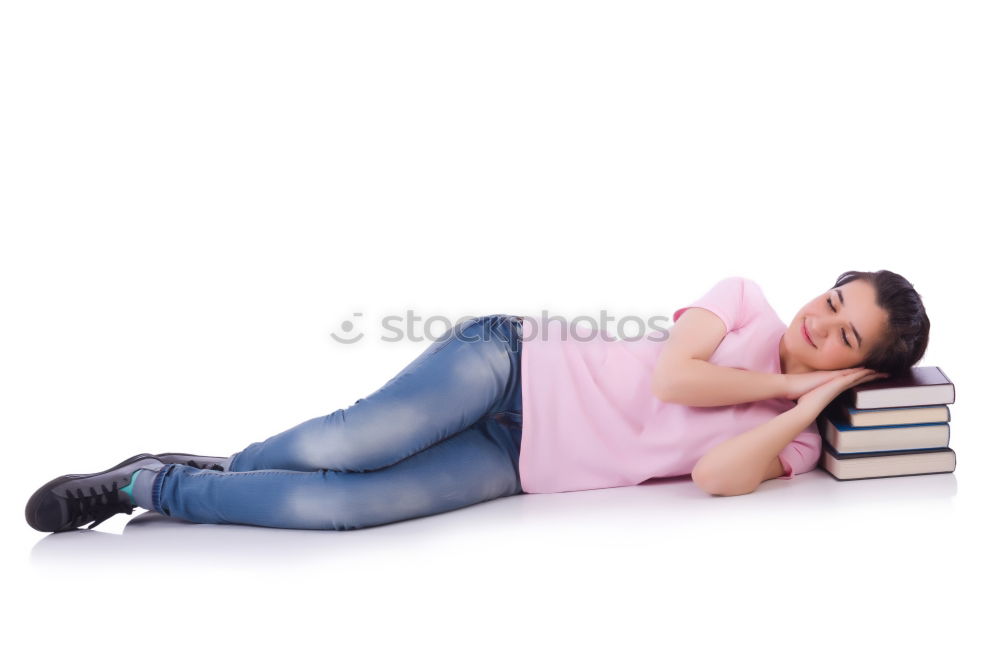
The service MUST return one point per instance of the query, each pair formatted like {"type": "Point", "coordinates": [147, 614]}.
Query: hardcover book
{"type": "Point", "coordinates": [920, 386]}
{"type": "Point", "coordinates": [845, 438]}
{"type": "Point", "coordinates": [882, 464]}
{"type": "Point", "coordinates": [862, 418]}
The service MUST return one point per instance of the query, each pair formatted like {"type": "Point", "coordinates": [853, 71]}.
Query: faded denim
{"type": "Point", "coordinates": [442, 434]}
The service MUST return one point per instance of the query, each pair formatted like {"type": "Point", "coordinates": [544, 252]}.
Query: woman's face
{"type": "Point", "coordinates": [843, 325]}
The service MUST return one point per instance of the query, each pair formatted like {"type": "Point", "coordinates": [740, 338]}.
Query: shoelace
{"type": "Point", "coordinates": [196, 465]}
{"type": "Point", "coordinates": [98, 506]}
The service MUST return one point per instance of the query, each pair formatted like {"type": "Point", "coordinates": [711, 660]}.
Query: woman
{"type": "Point", "coordinates": [504, 404]}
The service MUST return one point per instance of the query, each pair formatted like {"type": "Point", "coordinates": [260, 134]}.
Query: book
{"type": "Point", "coordinates": [892, 427]}
{"type": "Point", "coordinates": [884, 464]}
{"type": "Point", "coordinates": [861, 418]}
{"type": "Point", "coordinates": [846, 438]}
{"type": "Point", "coordinates": [919, 386]}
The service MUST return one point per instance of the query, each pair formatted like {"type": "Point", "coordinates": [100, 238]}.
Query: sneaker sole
{"type": "Point", "coordinates": [29, 510]}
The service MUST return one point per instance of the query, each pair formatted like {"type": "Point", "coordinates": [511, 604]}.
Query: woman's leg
{"type": "Point", "coordinates": [477, 464]}
{"type": "Point", "coordinates": [470, 372]}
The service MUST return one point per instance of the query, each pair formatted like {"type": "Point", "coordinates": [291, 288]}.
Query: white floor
{"type": "Point", "coordinates": [811, 567]}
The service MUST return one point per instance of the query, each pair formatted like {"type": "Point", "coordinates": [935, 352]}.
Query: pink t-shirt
{"type": "Point", "coordinates": [590, 420]}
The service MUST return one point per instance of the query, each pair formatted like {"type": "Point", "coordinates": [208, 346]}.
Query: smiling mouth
{"type": "Point", "coordinates": [806, 334]}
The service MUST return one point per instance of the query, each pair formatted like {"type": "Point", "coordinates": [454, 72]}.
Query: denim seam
{"type": "Point", "coordinates": [158, 486]}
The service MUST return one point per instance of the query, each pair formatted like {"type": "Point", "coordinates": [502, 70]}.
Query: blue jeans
{"type": "Point", "coordinates": [442, 434]}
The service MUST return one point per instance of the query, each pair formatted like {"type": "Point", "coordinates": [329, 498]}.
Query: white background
{"type": "Point", "coordinates": [195, 194]}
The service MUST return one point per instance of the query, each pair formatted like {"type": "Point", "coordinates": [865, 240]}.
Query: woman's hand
{"type": "Point", "coordinates": [835, 383]}
{"type": "Point", "coordinates": [800, 383]}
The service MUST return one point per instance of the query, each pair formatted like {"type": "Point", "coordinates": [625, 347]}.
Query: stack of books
{"type": "Point", "coordinates": [896, 426]}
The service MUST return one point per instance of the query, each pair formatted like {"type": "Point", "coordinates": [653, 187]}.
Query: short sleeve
{"type": "Point", "coordinates": [725, 299]}
{"type": "Point", "coordinates": [802, 454]}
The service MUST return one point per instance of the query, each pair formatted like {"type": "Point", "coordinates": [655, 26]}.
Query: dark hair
{"type": "Point", "coordinates": [905, 338]}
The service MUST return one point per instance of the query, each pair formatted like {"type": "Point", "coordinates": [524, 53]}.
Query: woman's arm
{"type": "Point", "coordinates": [683, 374]}
{"type": "Point", "coordinates": [739, 465]}
{"type": "Point", "coordinates": [698, 383]}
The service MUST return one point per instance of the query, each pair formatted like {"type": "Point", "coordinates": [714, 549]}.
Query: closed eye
{"type": "Point", "coordinates": [842, 332]}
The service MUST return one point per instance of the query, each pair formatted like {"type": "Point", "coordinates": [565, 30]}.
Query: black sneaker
{"type": "Point", "coordinates": [197, 461]}
{"type": "Point", "coordinates": [67, 502]}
